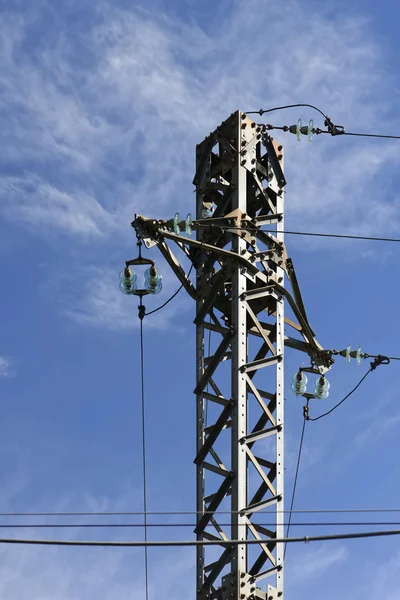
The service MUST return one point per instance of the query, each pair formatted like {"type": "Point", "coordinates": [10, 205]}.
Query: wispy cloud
{"type": "Point", "coordinates": [377, 429]}
{"type": "Point", "coordinates": [75, 573]}
{"type": "Point", "coordinates": [314, 562]}
{"type": "Point", "coordinates": [36, 202]}
{"type": "Point", "coordinates": [385, 580]}
{"type": "Point", "coordinates": [6, 367]}
{"type": "Point", "coordinates": [102, 123]}
{"type": "Point", "coordinates": [142, 94]}
{"type": "Point", "coordinates": [308, 456]}
{"type": "Point", "coordinates": [92, 297]}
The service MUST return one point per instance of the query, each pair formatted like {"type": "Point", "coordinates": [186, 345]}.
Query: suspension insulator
{"type": "Point", "coordinates": [127, 281]}
{"type": "Point", "coordinates": [299, 383]}
{"type": "Point", "coordinates": [153, 280]}
{"type": "Point", "coordinates": [321, 389]}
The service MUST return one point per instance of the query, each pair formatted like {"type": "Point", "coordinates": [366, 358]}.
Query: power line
{"type": "Point", "coordinates": [333, 131]}
{"type": "Point", "coordinates": [172, 297]}
{"type": "Point", "coordinates": [332, 128]}
{"type": "Point", "coordinates": [208, 383]}
{"type": "Point", "coordinates": [341, 402]}
{"type": "Point", "coordinates": [369, 135]}
{"type": "Point", "coordinates": [147, 314]}
{"type": "Point", "coordinates": [296, 477]}
{"type": "Point", "coordinates": [262, 111]}
{"type": "Point", "coordinates": [306, 233]}
{"type": "Point", "coordinates": [379, 360]}
{"type": "Point", "coordinates": [377, 355]}
{"type": "Point", "coordinates": [146, 566]}
{"type": "Point", "coordinates": [194, 512]}
{"type": "Point", "coordinates": [168, 525]}
{"type": "Point", "coordinates": [338, 236]}
{"type": "Point", "coordinates": [182, 543]}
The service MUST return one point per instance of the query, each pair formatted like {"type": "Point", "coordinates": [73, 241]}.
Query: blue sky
{"type": "Point", "coordinates": [101, 108]}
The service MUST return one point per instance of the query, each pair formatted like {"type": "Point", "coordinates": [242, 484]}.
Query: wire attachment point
{"type": "Point", "coordinates": [332, 128]}
{"type": "Point", "coordinates": [139, 244]}
{"type": "Point", "coordinates": [142, 311]}
{"type": "Point", "coordinates": [379, 360]}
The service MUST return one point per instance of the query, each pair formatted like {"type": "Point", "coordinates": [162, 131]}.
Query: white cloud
{"type": "Point", "coordinates": [92, 297]}
{"type": "Point", "coordinates": [75, 573]}
{"type": "Point", "coordinates": [6, 367]}
{"type": "Point", "coordinates": [45, 572]}
{"type": "Point", "coordinates": [147, 98]}
{"type": "Point", "coordinates": [314, 562]}
{"type": "Point", "coordinates": [384, 580]}
{"type": "Point", "coordinates": [103, 123]}
{"type": "Point", "coordinates": [377, 429]}
{"type": "Point", "coordinates": [37, 202]}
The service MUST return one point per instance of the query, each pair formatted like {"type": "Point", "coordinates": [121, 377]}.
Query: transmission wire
{"type": "Point", "coordinates": [295, 478]}
{"type": "Point", "coordinates": [304, 233]}
{"type": "Point", "coordinates": [369, 135]}
{"type": "Point", "coordinates": [177, 291]}
{"type": "Point", "coordinates": [329, 122]}
{"type": "Point", "coordinates": [182, 543]}
{"type": "Point", "coordinates": [262, 112]}
{"type": "Point", "coordinates": [345, 398]}
{"type": "Point", "coordinates": [168, 525]}
{"type": "Point", "coordinates": [194, 512]}
{"type": "Point", "coordinates": [208, 383]}
{"type": "Point", "coordinates": [172, 297]}
{"type": "Point", "coordinates": [146, 566]}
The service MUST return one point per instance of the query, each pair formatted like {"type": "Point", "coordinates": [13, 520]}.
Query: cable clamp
{"type": "Point", "coordinates": [332, 128]}
{"type": "Point", "coordinates": [379, 360]}
{"type": "Point", "coordinates": [142, 311]}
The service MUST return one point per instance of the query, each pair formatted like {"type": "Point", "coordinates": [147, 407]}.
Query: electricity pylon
{"type": "Point", "coordinates": [240, 298]}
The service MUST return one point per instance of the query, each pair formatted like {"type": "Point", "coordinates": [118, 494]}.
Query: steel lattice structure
{"type": "Point", "coordinates": [240, 298]}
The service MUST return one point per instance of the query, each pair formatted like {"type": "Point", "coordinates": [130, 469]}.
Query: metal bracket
{"type": "Point", "coordinates": [247, 589]}
{"type": "Point", "coordinates": [273, 594]}
{"type": "Point", "coordinates": [268, 143]}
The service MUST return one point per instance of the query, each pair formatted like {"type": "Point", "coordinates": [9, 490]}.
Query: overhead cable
{"type": "Point", "coordinates": [168, 525]}
{"type": "Point", "coordinates": [262, 111]}
{"type": "Point", "coordinates": [333, 129]}
{"type": "Point", "coordinates": [297, 473]}
{"type": "Point", "coordinates": [146, 565]}
{"type": "Point", "coordinates": [147, 314]}
{"type": "Point", "coordinates": [368, 135]}
{"type": "Point", "coordinates": [194, 512]}
{"type": "Point", "coordinates": [325, 414]}
{"type": "Point", "coordinates": [182, 543]}
{"type": "Point", "coordinates": [379, 360]}
{"type": "Point", "coordinates": [304, 233]}
{"type": "Point", "coordinates": [171, 298]}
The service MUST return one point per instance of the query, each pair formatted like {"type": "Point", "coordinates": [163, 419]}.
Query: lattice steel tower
{"type": "Point", "coordinates": [240, 298]}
